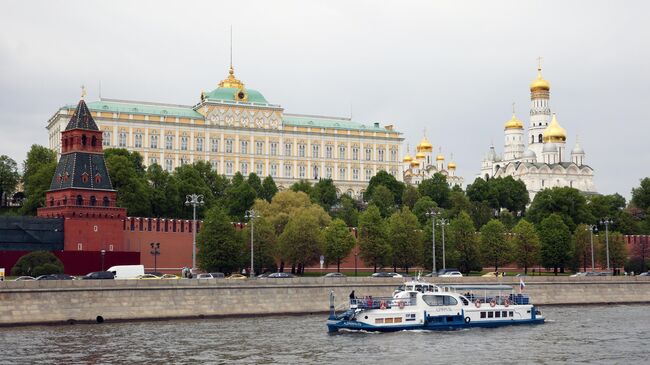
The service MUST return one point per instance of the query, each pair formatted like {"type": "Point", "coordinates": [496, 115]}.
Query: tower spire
{"type": "Point", "coordinates": [539, 63]}
{"type": "Point", "coordinates": [231, 69]}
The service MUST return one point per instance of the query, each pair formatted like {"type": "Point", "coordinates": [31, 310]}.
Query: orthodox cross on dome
{"type": "Point", "coordinates": [539, 63]}
{"type": "Point", "coordinates": [83, 92]}
{"type": "Point", "coordinates": [513, 108]}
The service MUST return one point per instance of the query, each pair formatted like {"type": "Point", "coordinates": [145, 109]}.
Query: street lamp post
{"type": "Point", "coordinates": [103, 252]}
{"type": "Point", "coordinates": [155, 251]}
{"type": "Point", "coordinates": [442, 222]}
{"type": "Point", "coordinates": [432, 213]}
{"type": "Point", "coordinates": [194, 200]}
{"type": "Point", "coordinates": [355, 263]}
{"type": "Point", "coordinates": [252, 215]}
{"type": "Point", "coordinates": [607, 221]}
{"type": "Point", "coordinates": [591, 228]}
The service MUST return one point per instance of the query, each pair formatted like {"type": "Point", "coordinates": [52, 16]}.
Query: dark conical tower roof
{"type": "Point", "coordinates": [82, 119]}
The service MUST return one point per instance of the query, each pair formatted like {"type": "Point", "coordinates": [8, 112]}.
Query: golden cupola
{"type": "Point", "coordinates": [554, 132]}
{"type": "Point", "coordinates": [451, 165]}
{"type": "Point", "coordinates": [415, 163]}
{"type": "Point", "coordinates": [440, 157]}
{"type": "Point", "coordinates": [231, 81]}
{"type": "Point", "coordinates": [408, 157]}
{"type": "Point", "coordinates": [539, 84]}
{"type": "Point", "coordinates": [420, 155]}
{"type": "Point", "coordinates": [424, 145]}
{"type": "Point", "coordinates": [514, 123]}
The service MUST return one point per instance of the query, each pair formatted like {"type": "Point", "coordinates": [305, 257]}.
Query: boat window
{"type": "Point", "coordinates": [490, 314]}
{"type": "Point", "coordinates": [464, 300]}
{"type": "Point", "coordinates": [434, 300]}
{"type": "Point", "coordinates": [398, 319]}
{"type": "Point", "coordinates": [388, 320]}
{"type": "Point", "coordinates": [418, 288]}
{"type": "Point", "coordinates": [379, 320]}
{"type": "Point", "coordinates": [497, 315]}
{"type": "Point", "coordinates": [511, 314]}
{"type": "Point", "coordinates": [504, 314]}
{"type": "Point", "coordinates": [482, 314]}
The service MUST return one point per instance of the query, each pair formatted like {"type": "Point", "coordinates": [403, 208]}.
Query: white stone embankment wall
{"type": "Point", "coordinates": [41, 302]}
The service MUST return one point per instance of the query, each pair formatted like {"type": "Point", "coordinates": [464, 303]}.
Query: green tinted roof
{"type": "Point", "coordinates": [228, 93]}
{"type": "Point", "coordinates": [325, 122]}
{"type": "Point", "coordinates": [127, 107]}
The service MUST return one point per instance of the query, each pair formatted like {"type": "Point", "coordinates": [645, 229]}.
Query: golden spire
{"type": "Point", "coordinates": [539, 83]}
{"type": "Point", "coordinates": [554, 132]}
{"type": "Point", "coordinates": [424, 145]}
{"type": "Point", "coordinates": [440, 157]}
{"type": "Point", "coordinates": [231, 81]}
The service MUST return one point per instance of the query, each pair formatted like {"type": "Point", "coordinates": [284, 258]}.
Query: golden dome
{"type": "Point", "coordinates": [425, 145]}
{"type": "Point", "coordinates": [231, 81]}
{"type": "Point", "coordinates": [514, 123]}
{"type": "Point", "coordinates": [420, 155]}
{"type": "Point", "coordinates": [408, 158]}
{"type": "Point", "coordinates": [539, 83]}
{"type": "Point", "coordinates": [554, 132]}
{"type": "Point", "coordinates": [451, 165]}
{"type": "Point", "coordinates": [415, 163]}
{"type": "Point", "coordinates": [440, 157]}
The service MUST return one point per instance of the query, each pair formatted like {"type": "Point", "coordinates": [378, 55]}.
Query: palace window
{"type": "Point", "coordinates": [259, 147]}
{"type": "Point", "coordinates": [199, 144]}
{"type": "Point", "coordinates": [341, 152]}
{"type": "Point", "coordinates": [229, 143]}
{"type": "Point", "coordinates": [355, 174]}
{"type": "Point", "coordinates": [138, 140]}
{"type": "Point", "coordinates": [301, 150]}
{"type": "Point", "coordinates": [153, 141]}
{"type": "Point", "coordinates": [274, 170]}
{"type": "Point", "coordinates": [214, 144]}
{"type": "Point", "coordinates": [368, 174]}
{"type": "Point", "coordinates": [122, 139]}
{"type": "Point", "coordinates": [106, 138]}
{"type": "Point", "coordinates": [342, 173]}
{"type": "Point", "coordinates": [184, 161]}
{"type": "Point", "coordinates": [243, 147]}
{"type": "Point", "coordinates": [328, 151]}
{"type": "Point", "coordinates": [315, 149]}
{"type": "Point", "coordinates": [244, 168]}
{"type": "Point", "coordinates": [169, 164]}
{"type": "Point", "coordinates": [393, 155]}
{"type": "Point", "coordinates": [355, 153]}
{"type": "Point", "coordinates": [228, 167]}
{"type": "Point", "coordinates": [274, 148]}
{"type": "Point", "coordinates": [215, 165]}
{"type": "Point", "coordinates": [169, 142]}
{"type": "Point", "coordinates": [315, 172]}
{"type": "Point", "coordinates": [184, 143]}
{"type": "Point", "coordinates": [368, 153]}
{"type": "Point", "coordinates": [287, 170]}
{"type": "Point", "coordinates": [301, 171]}
{"type": "Point", "coordinates": [153, 160]}
{"type": "Point", "coordinates": [380, 154]}
{"type": "Point", "coordinates": [287, 149]}
{"type": "Point", "coordinates": [328, 172]}
{"type": "Point", "coordinates": [259, 169]}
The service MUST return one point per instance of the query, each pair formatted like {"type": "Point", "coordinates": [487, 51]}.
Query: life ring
{"type": "Point", "coordinates": [477, 303]}
{"type": "Point", "coordinates": [493, 303]}
{"type": "Point", "coordinates": [506, 302]}
{"type": "Point", "coordinates": [382, 305]}
{"type": "Point", "coordinates": [467, 320]}
{"type": "Point", "coordinates": [401, 304]}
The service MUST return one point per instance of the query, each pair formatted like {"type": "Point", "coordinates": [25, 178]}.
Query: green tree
{"type": "Point", "coordinates": [134, 157]}
{"type": "Point", "coordinates": [220, 246]}
{"type": "Point", "coordinates": [462, 236]}
{"type": "Point", "coordinates": [38, 171]}
{"type": "Point", "coordinates": [437, 189]}
{"type": "Point", "coordinates": [641, 195]}
{"type": "Point", "coordinates": [347, 211]}
{"type": "Point", "coordinates": [422, 207]}
{"type": "Point", "coordinates": [373, 237]}
{"type": "Point", "coordinates": [511, 194]}
{"type": "Point", "coordinates": [384, 178]}
{"type": "Point", "coordinates": [37, 263]}
{"type": "Point", "coordinates": [383, 199]}
{"type": "Point", "coordinates": [264, 245]}
{"type": "Point", "coordinates": [582, 247]}
{"type": "Point", "coordinates": [481, 191]}
{"type": "Point", "coordinates": [240, 197]}
{"type": "Point", "coordinates": [508, 219]}
{"type": "Point", "coordinates": [188, 180]}
{"type": "Point", "coordinates": [481, 213]}
{"type": "Point", "coordinates": [495, 249]}
{"type": "Point", "coordinates": [567, 202]}
{"type": "Point", "coordinates": [269, 189]}
{"type": "Point", "coordinates": [283, 205]}
{"type": "Point", "coordinates": [410, 196]}
{"type": "Point", "coordinates": [526, 245]}
{"type": "Point", "coordinates": [405, 237]}
{"type": "Point", "coordinates": [555, 238]}
{"type": "Point", "coordinates": [127, 175]}
{"type": "Point", "coordinates": [617, 250]}
{"type": "Point", "coordinates": [324, 193]}
{"type": "Point", "coordinates": [163, 192]}
{"type": "Point", "coordinates": [302, 185]}
{"type": "Point", "coordinates": [458, 202]}
{"type": "Point", "coordinates": [255, 183]}
{"type": "Point", "coordinates": [301, 242]}
{"type": "Point", "coordinates": [8, 178]}
{"type": "Point", "coordinates": [605, 205]}
{"type": "Point", "coordinates": [339, 242]}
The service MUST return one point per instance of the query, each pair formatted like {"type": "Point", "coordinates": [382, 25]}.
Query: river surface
{"type": "Point", "coordinates": [616, 334]}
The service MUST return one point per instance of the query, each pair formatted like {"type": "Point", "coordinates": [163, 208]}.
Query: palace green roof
{"type": "Point", "coordinates": [127, 107]}
{"type": "Point", "coordinates": [228, 94]}
{"type": "Point", "coordinates": [325, 122]}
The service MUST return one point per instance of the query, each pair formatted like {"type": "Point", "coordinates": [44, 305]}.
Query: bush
{"type": "Point", "coordinates": [38, 263]}
{"type": "Point", "coordinates": [637, 265]}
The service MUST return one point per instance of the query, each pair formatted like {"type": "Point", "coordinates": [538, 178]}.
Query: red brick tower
{"type": "Point", "coordinates": [81, 189]}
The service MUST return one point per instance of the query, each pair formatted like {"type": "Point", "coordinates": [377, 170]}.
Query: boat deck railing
{"type": "Point", "coordinates": [382, 302]}
{"type": "Point", "coordinates": [519, 299]}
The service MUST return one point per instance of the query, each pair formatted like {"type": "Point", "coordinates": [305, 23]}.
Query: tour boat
{"type": "Point", "coordinates": [417, 305]}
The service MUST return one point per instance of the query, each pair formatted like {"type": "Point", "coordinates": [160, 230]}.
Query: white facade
{"type": "Point", "coordinates": [424, 166]}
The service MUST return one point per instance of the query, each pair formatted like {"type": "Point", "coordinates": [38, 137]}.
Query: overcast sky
{"type": "Point", "coordinates": [451, 68]}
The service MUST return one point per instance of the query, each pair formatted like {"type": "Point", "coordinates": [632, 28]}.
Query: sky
{"type": "Point", "coordinates": [451, 68]}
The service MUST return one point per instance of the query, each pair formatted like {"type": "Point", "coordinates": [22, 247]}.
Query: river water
{"type": "Point", "coordinates": [616, 334]}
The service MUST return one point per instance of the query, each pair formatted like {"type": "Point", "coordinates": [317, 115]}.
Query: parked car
{"type": "Point", "coordinates": [147, 277]}
{"type": "Point", "coordinates": [334, 275]}
{"type": "Point", "coordinates": [237, 277]}
{"type": "Point", "coordinates": [211, 275]}
{"type": "Point", "coordinates": [158, 274]}
{"type": "Point", "coordinates": [126, 271]}
{"type": "Point", "coordinates": [444, 271]}
{"type": "Point", "coordinates": [264, 275]}
{"type": "Point", "coordinates": [452, 274]}
{"type": "Point", "coordinates": [99, 275]}
{"type": "Point", "coordinates": [56, 277]}
{"type": "Point", "coordinates": [647, 273]}
{"type": "Point", "coordinates": [170, 276]}
{"type": "Point", "coordinates": [282, 275]}
{"type": "Point", "coordinates": [383, 274]}
{"type": "Point", "coordinates": [24, 278]}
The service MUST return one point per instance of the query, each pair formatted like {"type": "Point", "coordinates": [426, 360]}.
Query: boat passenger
{"type": "Point", "coordinates": [352, 295]}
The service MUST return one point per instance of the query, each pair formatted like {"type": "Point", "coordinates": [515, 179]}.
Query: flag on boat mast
{"type": "Point", "coordinates": [521, 285]}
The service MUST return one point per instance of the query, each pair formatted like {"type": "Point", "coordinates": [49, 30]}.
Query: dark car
{"type": "Point", "coordinates": [282, 275]}
{"type": "Point", "coordinates": [334, 275]}
{"type": "Point", "coordinates": [99, 275]}
{"type": "Point", "coordinates": [55, 277]}
{"type": "Point", "coordinates": [382, 274]}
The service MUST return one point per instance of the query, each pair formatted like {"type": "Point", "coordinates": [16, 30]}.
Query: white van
{"type": "Point", "coordinates": [126, 271]}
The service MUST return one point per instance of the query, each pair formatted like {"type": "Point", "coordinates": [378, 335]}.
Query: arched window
{"type": "Point", "coordinates": [532, 139]}
{"type": "Point", "coordinates": [65, 200]}
{"type": "Point", "coordinates": [539, 138]}
{"type": "Point", "coordinates": [93, 141]}
{"type": "Point", "coordinates": [83, 139]}
{"type": "Point", "coordinates": [80, 200]}
{"type": "Point", "coordinates": [105, 201]}
{"type": "Point", "coordinates": [93, 200]}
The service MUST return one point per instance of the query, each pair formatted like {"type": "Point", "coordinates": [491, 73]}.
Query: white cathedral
{"type": "Point", "coordinates": [545, 163]}
{"type": "Point", "coordinates": [422, 166]}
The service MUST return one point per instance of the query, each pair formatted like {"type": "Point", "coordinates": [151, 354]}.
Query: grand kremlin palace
{"type": "Point", "coordinates": [237, 129]}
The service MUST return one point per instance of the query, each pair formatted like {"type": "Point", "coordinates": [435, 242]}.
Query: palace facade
{"type": "Point", "coordinates": [236, 129]}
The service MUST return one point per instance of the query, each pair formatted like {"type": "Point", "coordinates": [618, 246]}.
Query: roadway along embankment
{"type": "Point", "coordinates": [56, 302]}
